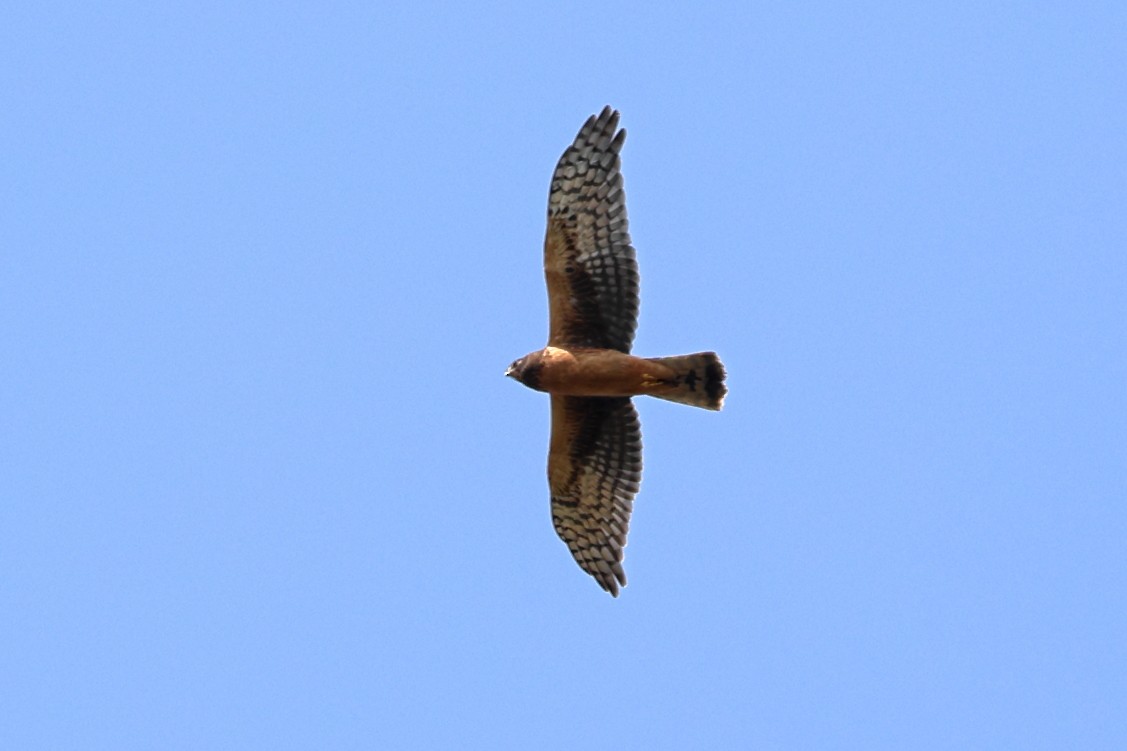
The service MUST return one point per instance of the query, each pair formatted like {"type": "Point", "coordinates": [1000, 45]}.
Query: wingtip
{"type": "Point", "coordinates": [607, 119]}
{"type": "Point", "coordinates": [610, 578]}
{"type": "Point", "coordinates": [613, 582]}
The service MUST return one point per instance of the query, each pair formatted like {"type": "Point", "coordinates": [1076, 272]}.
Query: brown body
{"type": "Point", "coordinates": [588, 371]}
{"type": "Point", "coordinates": [601, 372]}
{"type": "Point", "coordinates": [595, 453]}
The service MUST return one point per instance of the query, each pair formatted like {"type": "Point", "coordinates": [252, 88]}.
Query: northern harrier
{"type": "Point", "coordinates": [595, 457]}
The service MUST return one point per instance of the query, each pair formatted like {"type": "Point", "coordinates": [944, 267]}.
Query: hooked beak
{"type": "Point", "coordinates": [509, 371]}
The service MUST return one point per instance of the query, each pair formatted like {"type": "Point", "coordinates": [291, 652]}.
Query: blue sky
{"type": "Point", "coordinates": [264, 486]}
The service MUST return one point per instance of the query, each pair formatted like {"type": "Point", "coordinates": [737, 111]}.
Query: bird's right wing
{"type": "Point", "coordinates": [594, 470]}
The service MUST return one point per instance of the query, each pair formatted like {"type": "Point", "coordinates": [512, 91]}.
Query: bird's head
{"type": "Point", "coordinates": [526, 370]}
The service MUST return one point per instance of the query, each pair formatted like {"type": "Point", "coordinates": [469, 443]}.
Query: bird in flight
{"type": "Point", "coordinates": [595, 452]}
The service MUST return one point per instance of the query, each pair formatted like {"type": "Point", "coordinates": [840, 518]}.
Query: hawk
{"type": "Point", "coordinates": [595, 452]}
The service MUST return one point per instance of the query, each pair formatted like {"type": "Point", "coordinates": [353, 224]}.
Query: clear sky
{"type": "Point", "coordinates": [262, 266]}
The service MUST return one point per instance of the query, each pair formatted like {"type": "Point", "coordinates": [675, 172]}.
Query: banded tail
{"type": "Point", "coordinates": [699, 380]}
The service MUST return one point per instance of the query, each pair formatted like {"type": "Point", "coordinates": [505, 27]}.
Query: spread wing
{"type": "Point", "coordinates": [588, 261]}
{"type": "Point", "coordinates": [594, 469]}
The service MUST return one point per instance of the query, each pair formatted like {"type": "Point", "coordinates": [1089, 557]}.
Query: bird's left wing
{"type": "Point", "coordinates": [588, 260]}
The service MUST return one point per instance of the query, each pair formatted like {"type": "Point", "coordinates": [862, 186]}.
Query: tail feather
{"type": "Point", "coordinates": [698, 380]}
